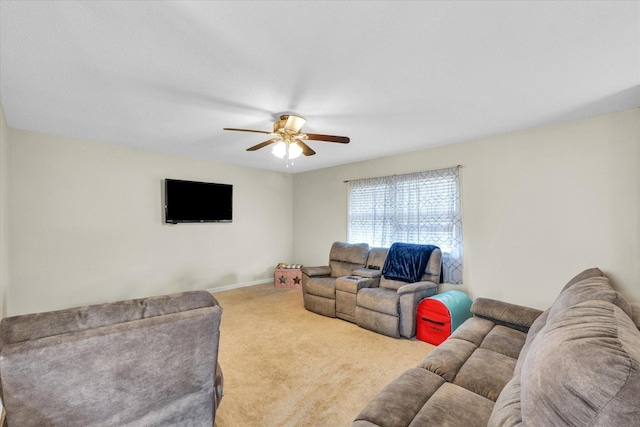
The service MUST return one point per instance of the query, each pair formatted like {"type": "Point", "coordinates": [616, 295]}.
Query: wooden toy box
{"type": "Point", "coordinates": [287, 278]}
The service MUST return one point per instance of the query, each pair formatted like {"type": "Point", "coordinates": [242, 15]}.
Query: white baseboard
{"type": "Point", "coordinates": [240, 285]}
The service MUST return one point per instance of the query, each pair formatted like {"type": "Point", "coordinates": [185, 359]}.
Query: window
{"type": "Point", "coordinates": [422, 207]}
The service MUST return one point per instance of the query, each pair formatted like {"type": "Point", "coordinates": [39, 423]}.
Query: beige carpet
{"type": "Point", "coordinates": [286, 366]}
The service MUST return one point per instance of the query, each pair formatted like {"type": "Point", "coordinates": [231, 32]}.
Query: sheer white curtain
{"type": "Point", "coordinates": [422, 207]}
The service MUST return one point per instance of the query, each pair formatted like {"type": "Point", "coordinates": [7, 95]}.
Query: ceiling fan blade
{"type": "Point", "coordinates": [328, 138]}
{"type": "Point", "coordinates": [306, 150]}
{"type": "Point", "coordinates": [294, 123]}
{"type": "Point", "coordinates": [247, 130]}
{"type": "Point", "coordinates": [262, 144]}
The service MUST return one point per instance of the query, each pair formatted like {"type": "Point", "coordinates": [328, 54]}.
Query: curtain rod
{"type": "Point", "coordinates": [374, 177]}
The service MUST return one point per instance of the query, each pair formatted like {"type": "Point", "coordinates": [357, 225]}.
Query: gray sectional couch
{"type": "Point", "coordinates": [141, 362]}
{"type": "Point", "coordinates": [575, 364]}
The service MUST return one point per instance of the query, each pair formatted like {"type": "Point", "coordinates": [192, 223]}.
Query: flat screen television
{"type": "Point", "coordinates": [191, 201]}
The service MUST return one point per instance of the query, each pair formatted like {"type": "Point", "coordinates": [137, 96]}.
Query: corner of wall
{"type": "Point", "coordinates": [4, 174]}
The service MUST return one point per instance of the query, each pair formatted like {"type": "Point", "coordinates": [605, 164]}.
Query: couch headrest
{"type": "Point", "coordinates": [587, 286]}
{"type": "Point", "coordinates": [376, 257]}
{"type": "Point", "coordinates": [354, 253]}
{"type": "Point", "coordinates": [586, 274]}
{"type": "Point", "coordinates": [40, 325]}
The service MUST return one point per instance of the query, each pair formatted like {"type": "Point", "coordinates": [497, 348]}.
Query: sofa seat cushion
{"type": "Point", "coordinates": [449, 406]}
{"type": "Point", "coordinates": [321, 286]}
{"type": "Point", "coordinates": [447, 359]}
{"type": "Point", "coordinates": [474, 330]}
{"type": "Point", "coordinates": [505, 341]}
{"type": "Point", "coordinates": [399, 402]}
{"type": "Point", "coordinates": [419, 397]}
{"type": "Point", "coordinates": [379, 299]}
{"type": "Point", "coordinates": [476, 348]}
{"type": "Point", "coordinates": [473, 374]}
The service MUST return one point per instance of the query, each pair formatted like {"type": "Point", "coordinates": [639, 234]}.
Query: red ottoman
{"type": "Point", "coordinates": [439, 315]}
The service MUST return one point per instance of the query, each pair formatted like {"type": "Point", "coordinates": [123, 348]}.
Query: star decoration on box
{"type": "Point", "coordinates": [282, 279]}
{"type": "Point", "coordinates": [296, 280]}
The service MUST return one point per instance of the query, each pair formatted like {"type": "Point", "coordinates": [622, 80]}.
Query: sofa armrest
{"type": "Point", "coordinates": [369, 273]}
{"type": "Point", "coordinates": [412, 288]}
{"type": "Point", "coordinates": [324, 270]}
{"type": "Point", "coordinates": [506, 314]}
{"type": "Point", "coordinates": [410, 296]}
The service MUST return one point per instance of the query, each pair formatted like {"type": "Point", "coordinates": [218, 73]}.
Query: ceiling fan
{"type": "Point", "coordinates": [288, 138]}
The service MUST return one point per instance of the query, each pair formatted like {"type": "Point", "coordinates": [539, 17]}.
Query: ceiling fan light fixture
{"type": "Point", "coordinates": [294, 150]}
{"type": "Point", "coordinates": [286, 150]}
{"type": "Point", "coordinates": [280, 149]}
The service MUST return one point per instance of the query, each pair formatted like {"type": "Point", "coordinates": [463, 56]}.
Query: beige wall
{"type": "Point", "coordinates": [4, 228]}
{"type": "Point", "coordinates": [538, 206]}
{"type": "Point", "coordinates": [84, 219]}
{"type": "Point", "coordinates": [86, 225]}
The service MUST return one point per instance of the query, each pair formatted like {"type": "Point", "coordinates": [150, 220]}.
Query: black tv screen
{"type": "Point", "coordinates": [191, 201]}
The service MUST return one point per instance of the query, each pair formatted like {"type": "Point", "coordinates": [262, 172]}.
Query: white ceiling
{"type": "Point", "coordinates": [393, 76]}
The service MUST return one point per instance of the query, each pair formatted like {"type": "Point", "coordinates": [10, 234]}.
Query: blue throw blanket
{"type": "Point", "coordinates": [407, 261]}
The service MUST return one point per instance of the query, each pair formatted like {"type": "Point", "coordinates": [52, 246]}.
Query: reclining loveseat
{"type": "Point", "coordinates": [361, 286]}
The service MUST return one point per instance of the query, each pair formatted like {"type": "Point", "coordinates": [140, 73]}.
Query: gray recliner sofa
{"type": "Point", "coordinates": [575, 364]}
{"type": "Point", "coordinates": [353, 288]}
{"type": "Point", "coordinates": [319, 283]}
{"type": "Point", "coordinates": [141, 362]}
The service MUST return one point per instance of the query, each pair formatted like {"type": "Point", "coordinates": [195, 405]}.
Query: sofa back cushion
{"type": "Point", "coordinates": [40, 325]}
{"type": "Point", "coordinates": [583, 369]}
{"type": "Point", "coordinates": [431, 272]}
{"type": "Point", "coordinates": [541, 320]}
{"type": "Point", "coordinates": [434, 267]}
{"type": "Point", "coordinates": [586, 274]}
{"type": "Point", "coordinates": [376, 258]}
{"type": "Point", "coordinates": [346, 257]}
{"type": "Point", "coordinates": [593, 288]}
